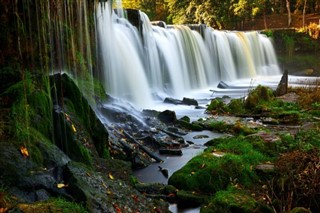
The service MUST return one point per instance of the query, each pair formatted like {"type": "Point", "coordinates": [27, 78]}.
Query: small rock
{"type": "Point", "coordinates": [170, 152]}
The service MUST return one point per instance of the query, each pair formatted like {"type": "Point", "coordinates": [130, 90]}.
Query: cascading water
{"type": "Point", "coordinates": [175, 60]}
{"type": "Point", "coordinates": [121, 50]}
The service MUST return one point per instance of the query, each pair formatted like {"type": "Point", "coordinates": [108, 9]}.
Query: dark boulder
{"type": "Point", "coordinates": [189, 101]}
{"type": "Point", "coordinates": [172, 101]}
{"type": "Point", "coordinates": [282, 88]}
{"type": "Point", "coordinates": [167, 116]}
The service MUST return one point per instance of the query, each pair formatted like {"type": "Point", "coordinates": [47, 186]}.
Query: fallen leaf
{"type": "Point", "coordinates": [104, 185]}
{"type": "Point", "coordinates": [67, 117]}
{"type": "Point", "coordinates": [24, 151]}
{"type": "Point", "coordinates": [118, 210]}
{"type": "Point", "coordinates": [135, 198]}
{"type": "Point", "coordinates": [74, 128]}
{"type": "Point", "coordinates": [61, 185]}
{"type": "Point", "coordinates": [110, 176]}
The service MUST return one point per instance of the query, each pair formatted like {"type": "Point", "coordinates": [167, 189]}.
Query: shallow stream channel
{"type": "Point", "coordinates": [196, 139]}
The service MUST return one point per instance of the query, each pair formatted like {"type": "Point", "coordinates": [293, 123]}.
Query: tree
{"type": "Point", "coordinates": [289, 12]}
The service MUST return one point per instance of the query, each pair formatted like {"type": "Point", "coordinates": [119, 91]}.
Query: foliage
{"type": "Point", "coordinates": [309, 95]}
{"type": "Point", "coordinates": [297, 183]}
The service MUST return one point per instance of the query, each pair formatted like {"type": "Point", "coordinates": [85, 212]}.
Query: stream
{"type": "Point", "coordinates": [152, 174]}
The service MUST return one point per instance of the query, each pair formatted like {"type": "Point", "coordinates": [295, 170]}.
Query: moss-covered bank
{"type": "Point", "coordinates": [262, 166]}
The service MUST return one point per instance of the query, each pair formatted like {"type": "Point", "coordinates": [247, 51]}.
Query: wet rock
{"type": "Point", "coordinates": [30, 181]}
{"type": "Point", "coordinates": [185, 118]}
{"type": "Point", "coordinates": [189, 101]}
{"type": "Point", "coordinates": [165, 172]}
{"type": "Point", "coordinates": [167, 117]}
{"type": "Point", "coordinates": [282, 88]}
{"type": "Point", "coordinates": [222, 85]}
{"type": "Point", "coordinates": [172, 101]}
{"type": "Point", "coordinates": [187, 198]}
{"type": "Point", "coordinates": [67, 98]}
{"type": "Point", "coordinates": [184, 101]}
{"type": "Point", "coordinates": [106, 194]}
{"type": "Point", "coordinates": [200, 136]}
{"type": "Point", "coordinates": [170, 152]}
{"type": "Point", "coordinates": [167, 192]}
{"type": "Point", "coordinates": [151, 113]}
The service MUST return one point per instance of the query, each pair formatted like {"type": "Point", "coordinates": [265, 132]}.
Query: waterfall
{"type": "Point", "coordinates": [122, 52]}
{"type": "Point", "coordinates": [172, 61]}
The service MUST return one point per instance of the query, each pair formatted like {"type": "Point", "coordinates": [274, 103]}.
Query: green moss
{"type": "Point", "coordinates": [208, 173]}
{"type": "Point", "coordinates": [257, 98]}
{"type": "Point", "coordinates": [220, 126]}
{"type": "Point", "coordinates": [217, 105]}
{"type": "Point", "coordinates": [53, 205]}
{"type": "Point", "coordinates": [190, 198]}
{"type": "Point", "coordinates": [236, 106]}
{"type": "Point", "coordinates": [231, 200]}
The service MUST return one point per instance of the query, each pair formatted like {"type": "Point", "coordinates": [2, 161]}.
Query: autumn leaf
{"type": "Point", "coordinates": [111, 177]}
{"type": "Point", "coordinates": [135, 198]}
{"type": "Point", "coordinates": [118, 210]}
{"type": "Point", "coordinates": [104, 185]}
{"type": "Point", "coordinates": [73, 128]}
{"type": "Point", "coordinates": [24, 151]}
{"type": "Point", "coordinates": [67, 117]}
{"type": "Point", "coordinates": [61, 185]}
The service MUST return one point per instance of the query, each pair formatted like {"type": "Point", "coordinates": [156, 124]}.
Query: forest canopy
{"type": "Point", "coordinates": [220, 14]}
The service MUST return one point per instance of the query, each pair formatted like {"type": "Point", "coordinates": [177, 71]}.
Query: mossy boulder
{"type": "Point", "coordinates": [233, 201]}
{"type": "Point", "coordinates": [209, 173]}
{"type": "Point", "coordinates": [77, 130]}
{"type": "Point", "coordinates": [189, 198]}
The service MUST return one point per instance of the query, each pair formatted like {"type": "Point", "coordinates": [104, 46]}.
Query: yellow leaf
{"type": "Point", "coordinates": [110, 176]}
{"type": "Point", "coordinates": [24, 151]}
{"type": "Point", "coordinates": [74, 128]}
{"type": "Point", "coordinates": [192, 173]}
{"type": "Point", "coordinates": [61, 185]}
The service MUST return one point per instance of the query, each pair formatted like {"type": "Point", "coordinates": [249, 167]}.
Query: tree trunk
{"type": "Point", "coordinates": [289, 12]}
{"type": "Point", "coordinates": [304, 13]}
{"type": "Point", "coordinates": [264, 17]}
